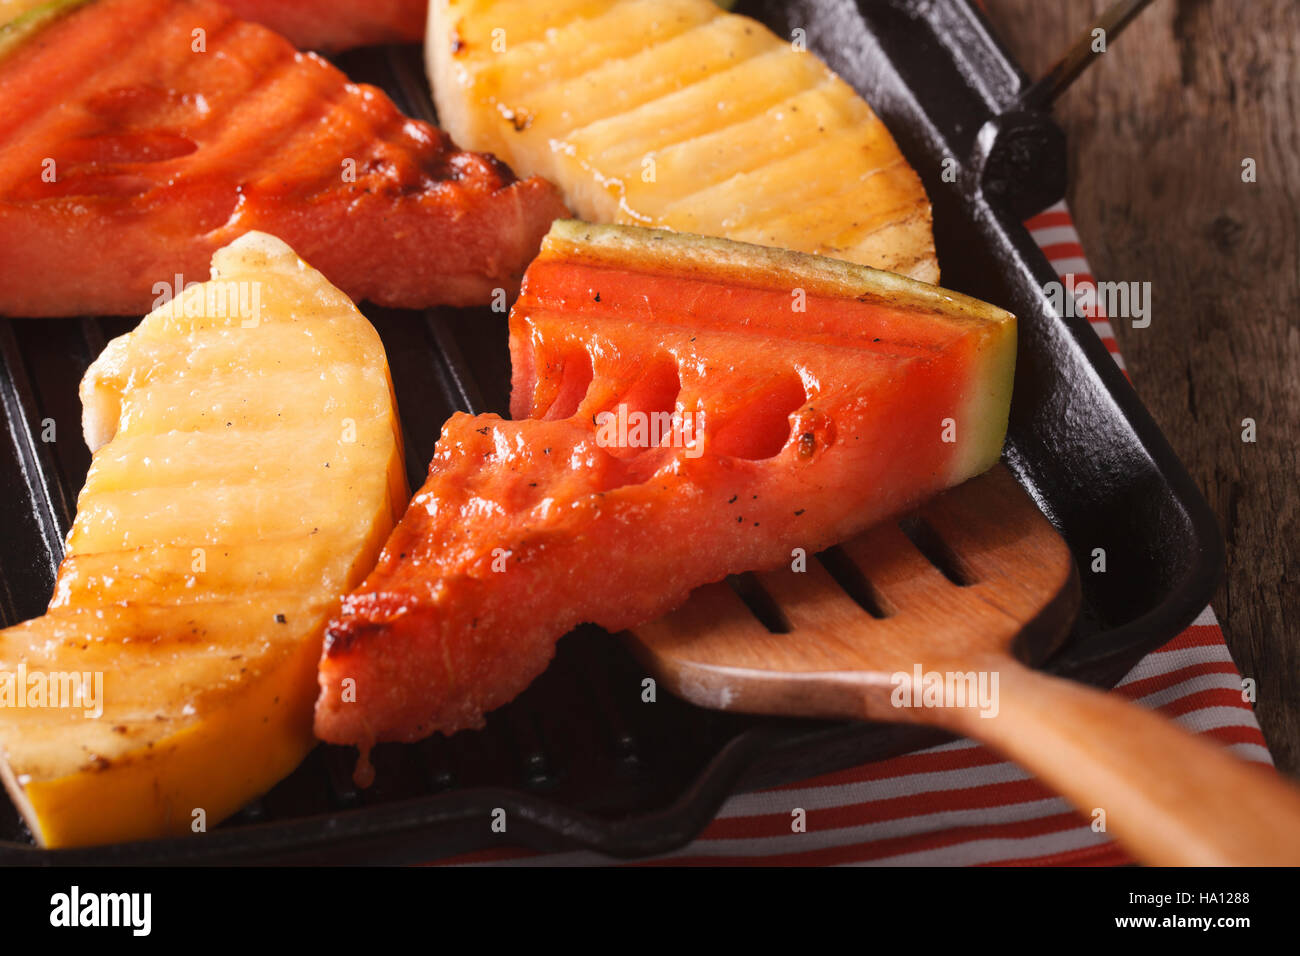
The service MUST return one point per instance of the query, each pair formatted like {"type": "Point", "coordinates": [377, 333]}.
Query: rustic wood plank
{"type": "Point", "coordinates": [1158, 131]}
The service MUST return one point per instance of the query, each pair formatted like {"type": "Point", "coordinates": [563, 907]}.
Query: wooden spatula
{"type": "Point", "coordinates": [977, 578]}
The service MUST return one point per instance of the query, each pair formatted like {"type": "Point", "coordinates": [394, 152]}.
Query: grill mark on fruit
{"type": "Point", "coordinates": [803, 208]}
{"type": "Point", "coordinates": [620, 152]}
{"type": "Point", "coordinates": [634, 45]}
{"type": "Point", "coordinates": [612, 105]}
{"type": "Point", "coordinates": [109, 59]}
{"type": "Point", "coordinates": [776, 204]}
{"type": "Point", "coordinates": [792, 149]}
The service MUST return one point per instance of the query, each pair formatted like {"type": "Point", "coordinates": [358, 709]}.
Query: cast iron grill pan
{"type": "Point", "coordinates": [579, 759]}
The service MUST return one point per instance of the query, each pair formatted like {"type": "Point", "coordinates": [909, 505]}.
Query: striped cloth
{"type": "Point", "coordinates": [959, 803]}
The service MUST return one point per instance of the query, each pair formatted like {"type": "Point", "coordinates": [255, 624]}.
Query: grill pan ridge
{"type": "Point", "coordinates": [579, 760]}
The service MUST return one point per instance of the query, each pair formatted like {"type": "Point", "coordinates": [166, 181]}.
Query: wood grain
{"type": "Point", "coordinates": [835, 659]}
{"type": "Point", "coordinates": [1158, 130]}
{"type": "Point", "coordinates": [1170, 798]}
{"type": "Point", "coordinates": [958, 590]}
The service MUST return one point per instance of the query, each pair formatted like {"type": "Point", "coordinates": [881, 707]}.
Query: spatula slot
{"type": "Point", "coordinates": [936, 550]}
{"type": "Point", "coordinates": [854, 583]}
{"type": "Point", "coordinates": [760, 603]}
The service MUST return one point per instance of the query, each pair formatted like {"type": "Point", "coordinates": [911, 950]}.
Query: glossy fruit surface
{"type": "Point", "coordinates": [685, 408]}
{"type": "Point", "coordinates": [676, 114]}
{"type": "Point", "coordinates": [140, 136]}
{"type": "Point", "coordinates": [247, 468]}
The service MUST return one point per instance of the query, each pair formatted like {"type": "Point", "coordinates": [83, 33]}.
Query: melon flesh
{"type": "Point", "coordinates": [247, 469]}
{"type": "Point", "coordinates": [674, 113]}
{"type": "Point", "coordinates": [807, 399]}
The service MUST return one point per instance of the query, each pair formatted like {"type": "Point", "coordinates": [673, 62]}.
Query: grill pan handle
{"type": "Point", "coordinates": [1042, 94]}
{"type": "Point", "coordinates": [1020, 155]}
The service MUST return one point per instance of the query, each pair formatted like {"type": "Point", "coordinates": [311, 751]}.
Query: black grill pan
{"type": "Point", "coordinates": [579, 760]}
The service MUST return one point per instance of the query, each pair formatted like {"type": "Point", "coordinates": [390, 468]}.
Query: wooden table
{"type": "Point", "coordinates": [1158, 133]}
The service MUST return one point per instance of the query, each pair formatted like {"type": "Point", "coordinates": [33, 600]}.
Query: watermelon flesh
{"type": "Point", "coordinates": [331, 25]}
{"type": "Point", "coordinates": [130, 157]}
{"type": "Point", "coordinates": [684, 408]}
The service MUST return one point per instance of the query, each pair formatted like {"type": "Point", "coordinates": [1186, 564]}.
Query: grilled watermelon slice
{"type": "Point", "coordinates": [684, 408]}
{"type": "Point", "coordinates": [333, 25]}
{"type": "Point", "coordinates": [326, 25]}
{"type": "Point", "coordinates": [140, 136]}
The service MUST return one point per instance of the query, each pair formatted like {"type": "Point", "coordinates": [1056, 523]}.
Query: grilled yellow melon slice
{"type": "Point", "coordinates": [247, 469]}
{"type": "Point", "coordinates": [674, 113]}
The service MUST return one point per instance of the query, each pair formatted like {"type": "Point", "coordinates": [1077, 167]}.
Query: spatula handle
{"type": "Point", "coordinates": [1169, 798]}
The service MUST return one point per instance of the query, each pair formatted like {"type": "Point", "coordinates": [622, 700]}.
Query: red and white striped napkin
{"type": "Point", "coordinates": [959, 803]}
